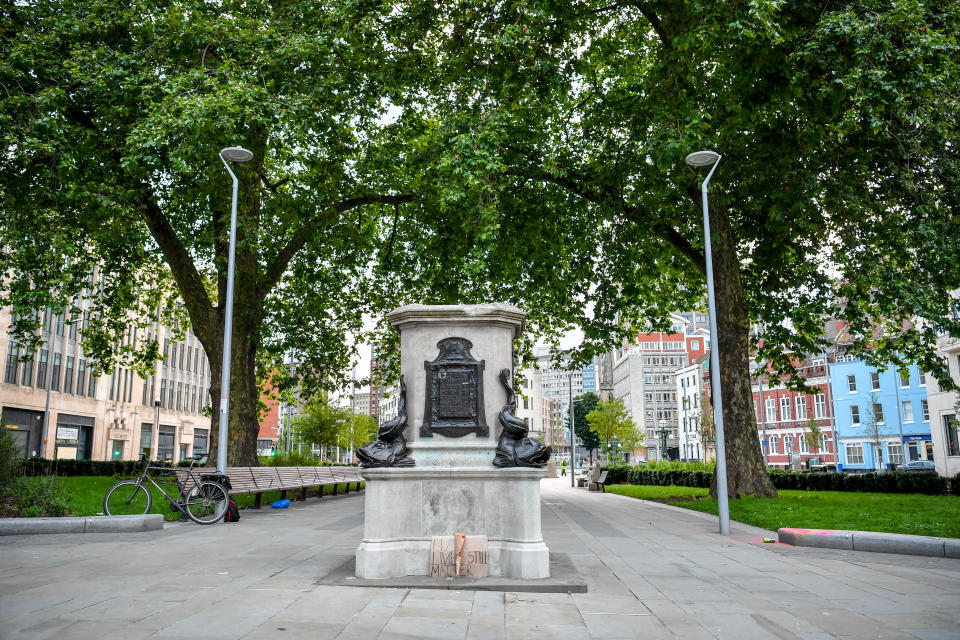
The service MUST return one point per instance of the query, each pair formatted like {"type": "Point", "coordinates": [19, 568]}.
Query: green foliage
{"type": "Point", "coordinates": [694, 475]}
{"type": "Point", "coordinates": [292, 459]}
{"type": "Point", "coordinates": [322, 424]}
{"type": "Point", "coordinates": [111, 120]}
{"type": "Point", "coordinates": [35, 497]}
{"type": "Point", "coordinates": [11, 461]}
{"type": "Point", "coordinates": [813, 434]}
{"type": "Point", "coordinates": [582, 406]}
{"type": "Point", "coordinates": [69, 467]}
{"type": "Point", "coordinates": [610, 421]}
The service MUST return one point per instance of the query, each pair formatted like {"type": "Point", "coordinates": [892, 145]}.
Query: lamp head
{"type": "Point", "coordinates": [236, 154]}
{"type": "Point", "coordinates": [702, 158]}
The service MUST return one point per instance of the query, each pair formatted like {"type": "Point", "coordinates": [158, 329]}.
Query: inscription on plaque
{"type": "Point", "coordinates": [454, 398]}
{"type": "Point", "coordinates": [457, 394]}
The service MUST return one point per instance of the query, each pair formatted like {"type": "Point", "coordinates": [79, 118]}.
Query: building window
{"type": "Point", "coordinates": [785, 408]}
{"type": "Point", "coordinates": [907, 411]}
{"type": "Point", "coordinates": [804, 445]}
{"type": "Point", "coordinates": [143, 400]}
{"type": "Point", "coordinates": [854, 453]}
{"type": "Point", "coordinates": [146, 433]}
{"type": "Point", "coordinates": [788, 444]}
{"type": "Point", "coordinates": [895, 453]}
{"type": "Point", "coordinates": [81, 376]}
{"type": "Point", "coordinates": [42, 370]}
{"type": "Point", "coordinates": [179, 395]}
{"type": "Point", "coordinates": [163, 392]}
{"type": "Point", "coordinates": [875, 381]}
{"type": "Point", "coordinates": [10, 376]}
{"type": "Point", "coordinates": [925, 410]}
{"type": "Point", "coordinates": [170, 396]}
{"type": "Point", "coordinates": [801, 402]}
{"type": "Point", "coordinates": [877, 413]}
{"type": "Point", "coordinates": [820, 406]}
{"type": "Point", "coordinates": [852, 383]}
{"type": "Point", "coordinates": [951, 441]}
{"type": "Point", "coordinates": [922, 381]}
{"type": "Point", "coordinates": [905, 379]}
{"type": "Point", "coordinates": [771, 409]}
{"type": "Point", "coordinates": [68, 378]}
{"type": "Point", "coordinates": [200, 439]}
{"type": "Point", "coordinates": [774, 444]}
{"type": "Point", "coordinates": [55, 379]}
{"type": "Point", "coordinates": [854, 414]}
{"type": "Point", "coordinates": [92, 388]}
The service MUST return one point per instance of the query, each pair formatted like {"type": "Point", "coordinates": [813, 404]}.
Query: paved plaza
{"type": "Point", "coordinates": [652, 572]}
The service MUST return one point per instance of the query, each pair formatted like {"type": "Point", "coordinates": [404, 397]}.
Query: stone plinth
{"type": "Point", "coordinates": [405, 508]}
{"type": "Point", "coordinates": [454, 485]}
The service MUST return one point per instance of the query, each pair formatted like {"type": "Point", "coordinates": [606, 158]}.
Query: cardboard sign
{"type": "Point", "coordinates": [473, 557]}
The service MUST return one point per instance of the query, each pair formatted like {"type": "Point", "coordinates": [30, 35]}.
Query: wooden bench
{"type": "Point", "coordinates": [260, 480]}
{"type": "Point", "coordinates": [602, 482]}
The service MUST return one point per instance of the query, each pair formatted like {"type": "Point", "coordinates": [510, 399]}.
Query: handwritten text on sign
{"type": "Point", "coordinates": [473, 560]}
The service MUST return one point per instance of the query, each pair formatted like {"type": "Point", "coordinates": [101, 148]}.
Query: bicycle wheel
{"type": "Point", "coordinates": [205, 502]}
{"type": "Point", "coordinates": [127, 498]}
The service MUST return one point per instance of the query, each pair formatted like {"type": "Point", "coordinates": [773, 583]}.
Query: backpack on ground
{"type": "Point", "coordinates": [233, 512]}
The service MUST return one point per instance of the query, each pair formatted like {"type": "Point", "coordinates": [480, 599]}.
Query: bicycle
{"type": "Point", "coordinates": [204, 502]}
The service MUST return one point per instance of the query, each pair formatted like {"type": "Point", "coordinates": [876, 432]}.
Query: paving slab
{"type": "Point", "coordinates": [650, 571]}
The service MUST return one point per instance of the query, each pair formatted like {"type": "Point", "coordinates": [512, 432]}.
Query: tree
{"type": "Point", "coordinates": [611, 421]}
{"type": "Point", "coordinates": [322, 425]}
{"type": "Point", "coordinates": [561, 130]}
{"type": "Point", "coordinates": [873, 426]}
{"type": "Point", "coordinates": [359, 430]}
{"type": "Point", "coordinates": [813, 434]}
{"type": "Point", "coordinates": [632, 437]}
{"type": "Point", "coordinates": [112, 116]}
{"type": "Point", "coordinates": [582, 406]}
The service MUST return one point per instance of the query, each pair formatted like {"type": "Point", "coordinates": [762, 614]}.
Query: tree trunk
{"type": "Point", "coordinates": [746, 470]}
{"type": "Point", "coordinates": [244, 425]}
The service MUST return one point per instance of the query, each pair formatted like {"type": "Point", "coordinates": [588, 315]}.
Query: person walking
{"type": "Point", "coordinates": [563, 468]}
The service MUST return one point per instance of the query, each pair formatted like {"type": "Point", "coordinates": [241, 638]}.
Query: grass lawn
{"type": "Point", "coordinates": [87, 492]}
{"type": "Point", "coordinates": [888, 512]}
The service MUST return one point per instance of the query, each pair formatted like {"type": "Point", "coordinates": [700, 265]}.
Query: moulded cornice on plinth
{"type": "Point", "coordinates": [495, 313]}
{"type": "Point", "coordinates": [446, 473]}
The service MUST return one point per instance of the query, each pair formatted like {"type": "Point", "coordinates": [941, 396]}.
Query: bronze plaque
{"type": "Point", "coordinates": [457, 394]}
{"type": "Point", "coordinates": [454, 392]}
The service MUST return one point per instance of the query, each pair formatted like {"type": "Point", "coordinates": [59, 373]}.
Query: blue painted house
{"type": "Point", "coordinates": [868, 401]}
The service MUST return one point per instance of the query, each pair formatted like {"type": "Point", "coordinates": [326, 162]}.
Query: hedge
{"type": "Point", "coordinates": [885, 482]}
{"type": "Point", "coordinates": [69, 467]}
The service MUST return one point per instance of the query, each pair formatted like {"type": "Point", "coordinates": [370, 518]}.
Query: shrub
{"type": "Point", "coordinates": [885, 482]}
{"type": "Point", "coordinates": [44, 467]}
{"type": "Point", "coordinates": [37, 497]}
{"type": "Point", "coordinates": [11, 461]}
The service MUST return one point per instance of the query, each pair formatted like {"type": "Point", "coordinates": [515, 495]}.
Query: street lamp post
{"type": "Point", "coordinates": [573, 439]}
{"type": "Point", "coordinates": [711, 159]}
{"type": "Point", "coordinates": [233, 154]}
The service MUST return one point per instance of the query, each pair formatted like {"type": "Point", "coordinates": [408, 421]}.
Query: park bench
{"type": "Point", "coordinates": [602, 482]}
{"type": "Point", "coordinates": [260, 480]}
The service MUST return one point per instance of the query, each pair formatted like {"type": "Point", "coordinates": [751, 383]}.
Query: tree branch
{"type": "Point", "coordinates": [656, 23]}
{"type": "Point", "coordinates": [603, 196]}
{"type": "Point", "coordinates": [299, 240]}
{"type": "Point", "coordinates": [181, 265]}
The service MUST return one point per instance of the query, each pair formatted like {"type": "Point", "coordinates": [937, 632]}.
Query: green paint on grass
{"type": "Point", "coordinates": [885, 512]}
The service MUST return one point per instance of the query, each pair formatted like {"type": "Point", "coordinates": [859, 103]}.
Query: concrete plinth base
{"type": "Point", "coordinates": [406, 507]}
